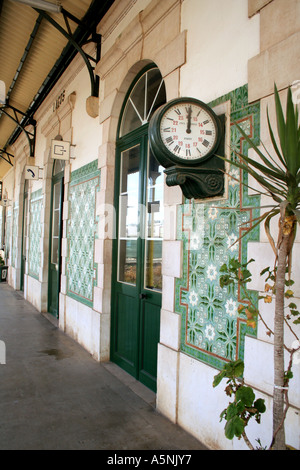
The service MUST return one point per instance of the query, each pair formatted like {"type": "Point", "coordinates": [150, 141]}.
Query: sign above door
{"type": "Point", "coordinates": [60, 150]}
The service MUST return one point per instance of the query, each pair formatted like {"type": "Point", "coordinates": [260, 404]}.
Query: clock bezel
{"type": "Point", "coordinates": [162, 153]}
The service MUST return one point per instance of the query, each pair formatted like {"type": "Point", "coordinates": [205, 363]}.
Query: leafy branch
{"type": "Point", "coordinates": [278, 174]}
{"type": "Point", "coordinates": [244, 406]}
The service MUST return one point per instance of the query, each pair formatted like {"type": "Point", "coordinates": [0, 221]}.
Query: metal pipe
{"type": "Point", "coordinates": [42, 4]}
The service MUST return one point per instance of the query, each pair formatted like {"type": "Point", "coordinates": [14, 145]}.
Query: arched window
{"type": "Point", "coordinates": [58, 167]}
{"type": "Point", "coordinates": [147, 94]}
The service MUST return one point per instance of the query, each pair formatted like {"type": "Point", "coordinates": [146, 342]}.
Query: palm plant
{"type": "Point", "coordinates": [279, 176]}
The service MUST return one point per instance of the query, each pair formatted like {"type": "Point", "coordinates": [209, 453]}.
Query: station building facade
{"type": "Point", "coordinates": [124, 263]}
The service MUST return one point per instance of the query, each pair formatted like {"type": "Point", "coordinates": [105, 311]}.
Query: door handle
{"type": "Point", "coordinates": [143, 296]}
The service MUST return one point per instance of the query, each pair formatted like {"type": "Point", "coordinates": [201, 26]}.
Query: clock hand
{"type": "Point", "coordinates": [189, 117]}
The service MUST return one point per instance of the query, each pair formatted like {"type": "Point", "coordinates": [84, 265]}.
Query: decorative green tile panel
{"type": "Point", "coordinates": [14, 247]}
{"type": "Point", "coordinates": [35, 232]}
{"type": "Point", "coordinates": [212, 329]}
{"type": "Point", "coordinates": [7, 232]}
{"type": "Point", "coordinates": [81, 233]}
{"type": "Point", "coordinates": [1, 227]}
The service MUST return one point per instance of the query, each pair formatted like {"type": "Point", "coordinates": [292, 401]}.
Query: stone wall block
{"type": "Point", "coordinates": [279, 64]}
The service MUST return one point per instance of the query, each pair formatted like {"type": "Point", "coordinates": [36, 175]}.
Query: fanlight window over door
{"type": "Point", "coordinates": [146, 96]}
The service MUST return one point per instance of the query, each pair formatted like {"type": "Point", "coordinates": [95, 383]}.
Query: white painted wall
{"type": "Point", "coordinates": [220, 40]}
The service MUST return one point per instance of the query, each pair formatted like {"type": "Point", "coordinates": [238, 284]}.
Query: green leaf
{"type": "Point", "coordinates": [262, 180]}
{"type": "Point", "coordinates": [280, 120]}
{"type": "Point", "coordinates": [223, 268]}
{"type": "Point", "coordinates": [295, 313]}
{"type": "Point", "coordinates": [289, 375]}
{"type": "Point", "coordinates": [267, 167]}
{"type": "Point", "coordinates": [245, 395]}
{"type": "Point", "coordinates": [293, 306]}
{"type": "Point", "coordinates": [291, 137]}
{"type": "Point", "coordinates": [225, 281]}
{"type": "Point", "coordinates": [223, 414]}
{"type": "Point", "coordinates": [274, 143]}
{"type": "Point", "coordinates": [234, 264]}
{"type": "Point", "coordinates": [234, 427]}
{"type": "Point", "coordinates": [218, 378]}
{"type": "Point", "coordinates": [235, 369]}
{"type": "Point", "coordinates": [275, 172]}
{"type": "Point", "coordinates": [259, 404]}
{"type": "Point", "coordinates": [232, 411]}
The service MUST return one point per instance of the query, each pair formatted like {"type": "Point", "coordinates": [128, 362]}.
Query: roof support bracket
{"type": "Point", "coordinates": [7, 157]}
{"type": "Point", "coordinates": [31, 135]}
{"type": "Point", "coordinates": [86, 57]}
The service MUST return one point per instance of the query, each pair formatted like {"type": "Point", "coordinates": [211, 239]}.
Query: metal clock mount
{"type": "Point", "coordinates": [186, 137]}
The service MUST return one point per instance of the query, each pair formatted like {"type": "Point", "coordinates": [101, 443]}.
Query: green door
{"type": "Point", "coordinates": [55, 239]}
{"type": "Point", "coordinates": [24, 235]}
{"type": "Point", "coordinates": [137, 259]}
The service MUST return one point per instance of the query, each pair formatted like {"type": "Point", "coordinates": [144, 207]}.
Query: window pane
{"type": "Point", "coordinates": [156, 92]}
{"type": "Point", "coordinates": [25, 224]}
{"type": "Point", "coordinates": [147, 95]}
{"type": "Point", "coordinates": [54, 251]}
{"type": "Point", "coordinates": [58, 166]}
{"type": "Point", "coordinates": [128, 215]}
{"type": "Point", "coordinates": [153, 264]}
{"type": "Point", "coordinates": [55, 222]}
{"type": "Point", "coordinates": [154, 225]}
{"type": "Point", "coordinates": [127, 261]}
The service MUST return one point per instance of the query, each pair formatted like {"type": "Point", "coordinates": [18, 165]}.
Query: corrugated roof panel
{"type": "Point", "coordinates": [17, 22]}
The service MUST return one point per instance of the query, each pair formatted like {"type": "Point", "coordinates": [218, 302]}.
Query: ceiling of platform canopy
{"type": "Point", "coordinates": [38, 40]}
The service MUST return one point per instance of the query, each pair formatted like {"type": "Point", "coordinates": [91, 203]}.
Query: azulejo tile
{"type": "Point", "coordinates": [35, 231]}
{"type": "Point", "coordinates": [81, 233]}
{"type": "Point", "coordinates": [14, 234]}
{"type": "Point", "coordinates": [7, 233]}
{"type": "Point", "coordinates": [212, 330]}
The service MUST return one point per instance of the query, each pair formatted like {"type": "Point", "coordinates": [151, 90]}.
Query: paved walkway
{"type": "Point", "coordinates": [55, 396]}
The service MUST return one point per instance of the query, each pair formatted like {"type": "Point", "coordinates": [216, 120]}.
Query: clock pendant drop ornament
{"type": "Point", "coordinates": [184, 136]}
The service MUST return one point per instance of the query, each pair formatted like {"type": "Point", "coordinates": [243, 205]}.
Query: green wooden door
{"type": "Point", "coordinates": [137, 280]}
{"type": "Point", "coordinates": [55, 240]}
{"type": "Point", "coordinates": [24, 234]}
{"type": "Point", "coordinates": [137, 250]}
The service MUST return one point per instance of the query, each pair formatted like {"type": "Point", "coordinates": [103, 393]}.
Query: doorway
{"type": "Point", "coordinates": [24, 235]}
{"type": "Point", "coordinates": [57, 195]}
{"type": "Point", "coordinates": [137, 250]}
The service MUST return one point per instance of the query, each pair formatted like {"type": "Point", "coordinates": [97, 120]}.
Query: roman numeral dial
{"type": "Point", "coordinates": [189, 130]}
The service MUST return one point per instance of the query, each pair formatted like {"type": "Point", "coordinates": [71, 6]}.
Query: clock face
{"type": "Point", "coordinates": [189, 130]}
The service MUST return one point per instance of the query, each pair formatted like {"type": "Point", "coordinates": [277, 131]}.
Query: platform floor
{"type": "Point", "coordinates": [55, 396]}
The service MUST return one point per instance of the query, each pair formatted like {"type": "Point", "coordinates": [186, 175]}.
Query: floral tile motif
{"type": "Point", "coordinates": [212, 329]}
{"type": "Point", "coordinates": [7, 232]}
{"type": "Point", "coordinates": [1, 223]}
{"type": "Point", "coordinates": [14, 235]}
{"type": "Point", "coordinates": [81, 233]}
{"type": "Point", "coordinates": [35, 232]}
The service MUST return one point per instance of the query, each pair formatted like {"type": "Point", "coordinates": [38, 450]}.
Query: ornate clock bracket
{"type": "Point", "coordinates": [205, 180]}
{"type": "Point", "coordinates": [198, 183]}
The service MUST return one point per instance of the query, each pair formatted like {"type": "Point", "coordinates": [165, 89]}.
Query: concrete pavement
{"type": "Point", "coordinates": [55, 396]}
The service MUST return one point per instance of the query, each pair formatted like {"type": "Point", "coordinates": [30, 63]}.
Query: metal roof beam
{"type": "Point", "coordinates": [68, 34]}
{"type": "Point", "coordinates": [29, 121]}
{"type": "Point", "coordinates": [8, 157]}
{"type": "Point", "coordinates": [94, 14]}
